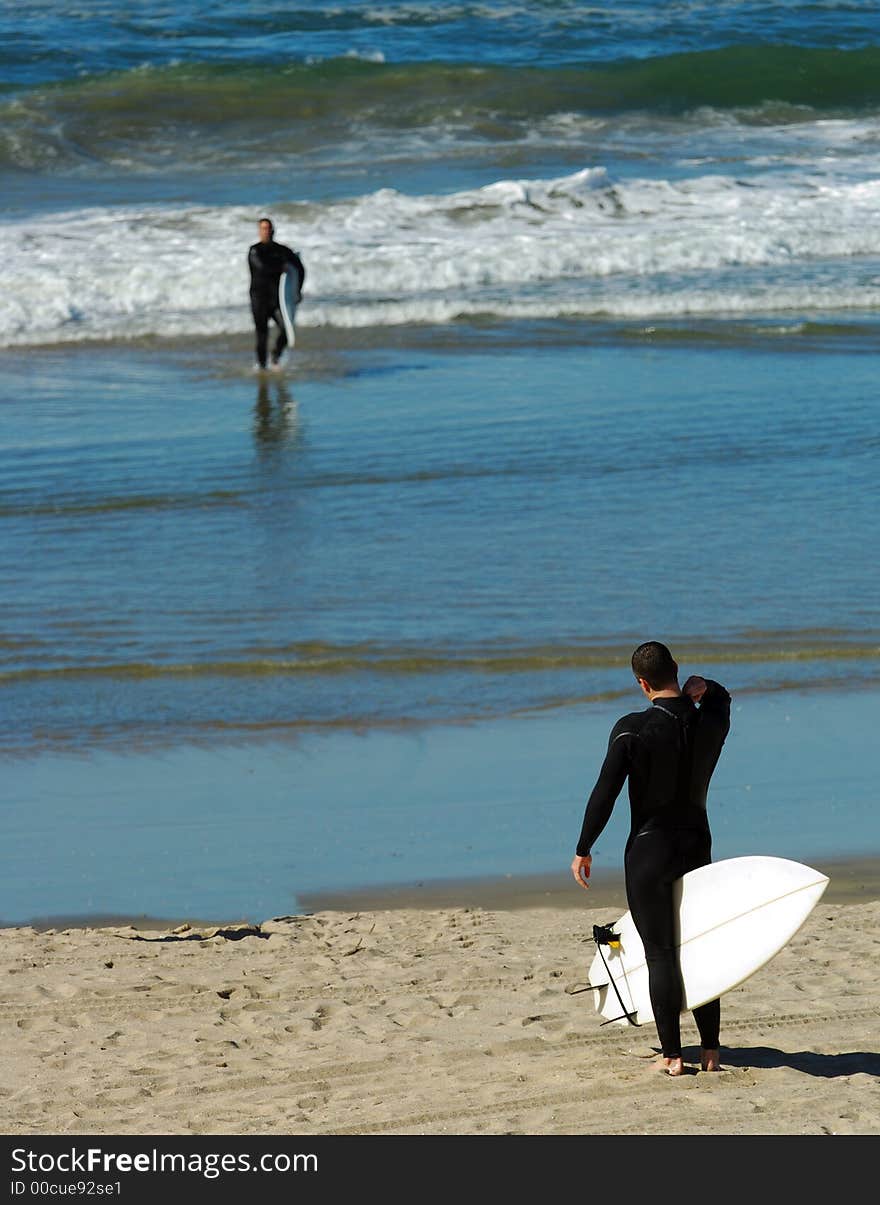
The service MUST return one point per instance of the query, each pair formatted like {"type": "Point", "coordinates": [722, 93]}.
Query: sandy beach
{"type": "Point", "coordinates": [458, 1020]}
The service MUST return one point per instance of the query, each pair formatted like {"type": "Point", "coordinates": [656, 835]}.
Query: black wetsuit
{"type": "Point", "coordinates": [267, 261]}
{"type": "Point", "coordinates": [668, 752]}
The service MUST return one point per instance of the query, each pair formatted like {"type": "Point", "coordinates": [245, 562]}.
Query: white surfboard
{"type": "Point", "coordinates": [288, 300]}
{"type": "Point", "coordinates": [733, 917]}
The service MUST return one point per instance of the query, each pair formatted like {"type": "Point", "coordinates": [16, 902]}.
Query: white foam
{"type": "Point", "coordinates": [582, 244]}
{"type": "Point", "coordinates": [363, 56]}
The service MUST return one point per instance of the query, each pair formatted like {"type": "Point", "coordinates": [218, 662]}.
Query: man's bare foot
{"type": "Point", "coordinates": [710, 1060]}
{"type": "Point", "coordinates": [670, 1066]}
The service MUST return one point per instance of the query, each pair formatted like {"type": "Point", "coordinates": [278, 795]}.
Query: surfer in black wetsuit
{"type": "Point", "coordinates": [267, 261]}
{"type": "Point", "coordinates": [668, 752]}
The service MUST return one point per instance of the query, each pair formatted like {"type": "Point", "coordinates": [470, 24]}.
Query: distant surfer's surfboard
{"type": "Point", "coordinates": [288, 299]}
{"type": "Point", "coordinates": [733, 917]}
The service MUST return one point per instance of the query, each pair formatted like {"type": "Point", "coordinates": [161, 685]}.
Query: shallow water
{"type": "Point", "coordinates": [388, 604]}
{"type": "Point", "coordinates": [256, 830]}
{"type": "Point", "coordinates": [428, 536]}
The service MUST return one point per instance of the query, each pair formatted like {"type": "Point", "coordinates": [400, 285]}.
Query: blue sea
{"type": "Point", "coordinates": [587, 355]}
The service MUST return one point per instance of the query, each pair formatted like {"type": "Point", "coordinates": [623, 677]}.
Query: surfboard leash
{"type": "Point", "coordinates": [604, 935]}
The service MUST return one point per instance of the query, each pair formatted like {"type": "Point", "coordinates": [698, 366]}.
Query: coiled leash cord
{"type": "Point", "coordinates": [604, 935]}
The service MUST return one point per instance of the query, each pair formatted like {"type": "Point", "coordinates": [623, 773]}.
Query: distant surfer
{"type": "Point", "coordinates": [267, 261]}
{"type": "Point", "coordinates": [668, 752]}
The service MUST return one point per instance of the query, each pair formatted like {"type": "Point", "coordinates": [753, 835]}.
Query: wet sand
{"type": "Point", "coordinates": [852, 880]}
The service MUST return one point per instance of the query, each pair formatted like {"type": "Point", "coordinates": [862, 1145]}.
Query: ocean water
{"type": "Point", "coordinates": [587, 354]}
{"type": "Point", "coordinates": [436, 162]}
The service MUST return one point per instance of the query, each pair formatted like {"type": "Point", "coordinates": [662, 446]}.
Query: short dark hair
{"type": "Point", "coordinates": [654, 662]}
{"type": "Point", "coordinates": [269, 220]}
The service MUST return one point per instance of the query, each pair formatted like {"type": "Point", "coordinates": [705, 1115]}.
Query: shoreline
{"type": "Point", "coordinates": [852, 881]}
{"type": "Point", "coordinates": [319, 345]}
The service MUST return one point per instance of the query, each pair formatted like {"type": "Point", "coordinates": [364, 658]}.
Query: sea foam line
{"type": "Point", "coordinates": [580, 245]}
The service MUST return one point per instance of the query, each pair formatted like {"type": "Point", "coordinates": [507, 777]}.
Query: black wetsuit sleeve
{"type": "Point", "coordinates": [253, 264]}
{"type": "Point", "coordinates": [608, 786]}
{"type": "Point", "coordinates": [715, 705]}
{"type": "Point", "coordinates": [713, 725]}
